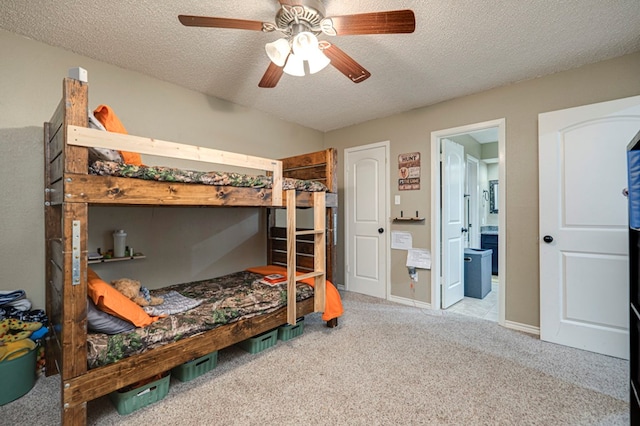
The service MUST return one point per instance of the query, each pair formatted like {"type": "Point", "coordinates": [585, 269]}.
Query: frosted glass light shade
{"type": "Point", "coordinates": [317, 61]}
{"type": "Point", "coordinates": [294, 66]}
{"type": "Point", "coordinates": [305, 45]}
{"type": "Point", "coordinates": [278, 50]}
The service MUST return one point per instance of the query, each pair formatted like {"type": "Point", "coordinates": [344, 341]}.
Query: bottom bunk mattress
{"type": "Point", "coordinates": [219, 301]}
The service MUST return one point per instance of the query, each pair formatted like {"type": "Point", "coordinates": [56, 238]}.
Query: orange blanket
{"type": "Point", "coordinates": [333, 302]}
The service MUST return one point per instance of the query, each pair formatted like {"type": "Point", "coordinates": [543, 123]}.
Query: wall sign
{"type": "Point", "coordinates": [409, 171]}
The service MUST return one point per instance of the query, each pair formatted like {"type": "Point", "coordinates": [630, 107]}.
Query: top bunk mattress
{"type": "Point", "coordinates": [216, 178]}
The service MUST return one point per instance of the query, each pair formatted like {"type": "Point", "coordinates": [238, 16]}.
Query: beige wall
{"type": "Point", "coordinates": [180, 244]}
{"type": "Point", "coordinates": [520, 105]}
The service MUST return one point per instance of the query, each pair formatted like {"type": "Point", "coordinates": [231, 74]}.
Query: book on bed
{"type": "Point", "coordinates": [273, 279]}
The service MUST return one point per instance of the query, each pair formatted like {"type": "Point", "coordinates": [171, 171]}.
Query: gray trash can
{"type": "Point", "coordinates": [477, 272]}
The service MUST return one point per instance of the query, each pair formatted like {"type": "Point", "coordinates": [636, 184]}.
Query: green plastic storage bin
{"type": "Point", "coordinates": [17, 376]}
{"type": "Point", "coordinates": [196, 367]}
{"type": "Point", "coordinates": [130, 401]}
{"type": "Point", "coordinates": [288, 331]}
{"type": "Point", "coordinates": [260, 342]}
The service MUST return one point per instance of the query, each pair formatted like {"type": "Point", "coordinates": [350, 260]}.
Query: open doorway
{"type": "Point", "coordinates": [480, 216]}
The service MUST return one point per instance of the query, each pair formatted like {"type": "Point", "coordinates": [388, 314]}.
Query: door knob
{"type": "Point", "coordinates": [380, 230]}
{"type": "Point", "coordinates": [464, 230]}
{"type": "Point", "coordinates": [547, 239]}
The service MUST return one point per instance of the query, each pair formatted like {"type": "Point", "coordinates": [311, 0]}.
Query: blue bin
{"type": "Point", "coordinates": [477, 272]}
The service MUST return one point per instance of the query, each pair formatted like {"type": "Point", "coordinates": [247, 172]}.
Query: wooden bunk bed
{"type": "Point", "coordinates": [70, 190]}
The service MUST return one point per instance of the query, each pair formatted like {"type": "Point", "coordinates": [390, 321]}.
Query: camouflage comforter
{"type": "Point", "coordinates": [227, 299]}
{"type": "Point", "coordinates": [170, 174]}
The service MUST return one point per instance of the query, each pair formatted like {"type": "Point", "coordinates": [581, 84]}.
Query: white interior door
{"type": "Point", "coordinates": [366, 235]}
{"type": "Point", "coordinates": [453, 181]}
{"type": "Point", "coordinates": [584, 284]}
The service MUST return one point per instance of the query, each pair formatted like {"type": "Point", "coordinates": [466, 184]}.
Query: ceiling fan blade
{"type": "Point", "coordinates": [206, 21]}
{"type": "Point", "coordinates": [344, 63]}
{"type": "Point", "coordinates": [272, 76]}
{"type": "Point", "coordinates": [392, 22]}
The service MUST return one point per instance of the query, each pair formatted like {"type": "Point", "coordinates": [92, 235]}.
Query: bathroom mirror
{"type": "Point", "coordinates": [493, 196]}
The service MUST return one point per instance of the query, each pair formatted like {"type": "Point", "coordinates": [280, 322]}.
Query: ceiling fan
{"type": "Point", "coordinates": [301, 21]}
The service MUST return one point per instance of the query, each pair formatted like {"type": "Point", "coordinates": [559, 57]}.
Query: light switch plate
{"type": "Point", "coordinates": [397, 200]}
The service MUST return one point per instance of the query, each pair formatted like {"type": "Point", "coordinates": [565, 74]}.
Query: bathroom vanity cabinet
{"type": "Point", "coordinates": [489, 240]}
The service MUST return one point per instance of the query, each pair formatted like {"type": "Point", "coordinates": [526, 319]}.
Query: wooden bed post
{"type": "Point", "coordinates": [332, 234]}
{"type": "Point", "coordinates": [291, 257]}
{"type": "Point", "coordinates": [52, 232]}
{"type": "Point", "coordinates": [75, 224]}
{"type": "Point", "coordinates": [319, 250]}
{"type": "Point", "coordinates": [66, 249]}
{"type": "Point", "coordinates": [331, 171]}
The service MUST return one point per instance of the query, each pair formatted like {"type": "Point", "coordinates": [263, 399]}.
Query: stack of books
{"type": "Point", "coordinates": [273, 279]}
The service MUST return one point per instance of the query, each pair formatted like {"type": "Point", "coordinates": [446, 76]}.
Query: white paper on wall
{"type": "Point", "coordinates": [419, 258]}
{"type": "Point", "coordinates": [401, 240]}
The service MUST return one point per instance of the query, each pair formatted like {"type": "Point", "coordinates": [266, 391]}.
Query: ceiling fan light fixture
{"type": "Point", "coordinates": [278, 51]}
{"type": "Point", "coordinates": [294, 66]}
{"type": "Point", "coordinates": [301, 21]}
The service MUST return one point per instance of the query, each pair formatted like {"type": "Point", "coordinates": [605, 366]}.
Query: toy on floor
{"type": "Point", "coordinates": [136, 292]}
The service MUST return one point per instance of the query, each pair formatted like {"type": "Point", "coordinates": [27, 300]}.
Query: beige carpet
{"type": "Point", "coordinates": [386, 364]}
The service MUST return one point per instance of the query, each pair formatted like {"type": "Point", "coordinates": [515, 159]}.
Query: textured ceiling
{"type": "Point", "coordinates": [459, 47]}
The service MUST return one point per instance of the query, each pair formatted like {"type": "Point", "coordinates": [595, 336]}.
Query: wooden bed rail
{"type": "Point", "coordinates": [84, 136]}
{"type": "Point", "coordinates": [100, 381]}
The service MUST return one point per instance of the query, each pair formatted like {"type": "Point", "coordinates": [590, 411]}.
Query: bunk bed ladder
{"type": "Point", "coordinates": [319, 272]}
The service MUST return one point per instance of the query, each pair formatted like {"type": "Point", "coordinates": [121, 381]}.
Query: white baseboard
{"type": "Point", "coordinates": [409, 302]}
{"type": "Point", "coordinates": [397, 299]}
{"type": "Point", "coordinates": [525, 328]}
{"type": "Point", "coordinates": [522, 327]}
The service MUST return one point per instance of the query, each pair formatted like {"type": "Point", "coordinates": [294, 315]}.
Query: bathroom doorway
{"type": "Point", "coordinates": [483, 213]}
